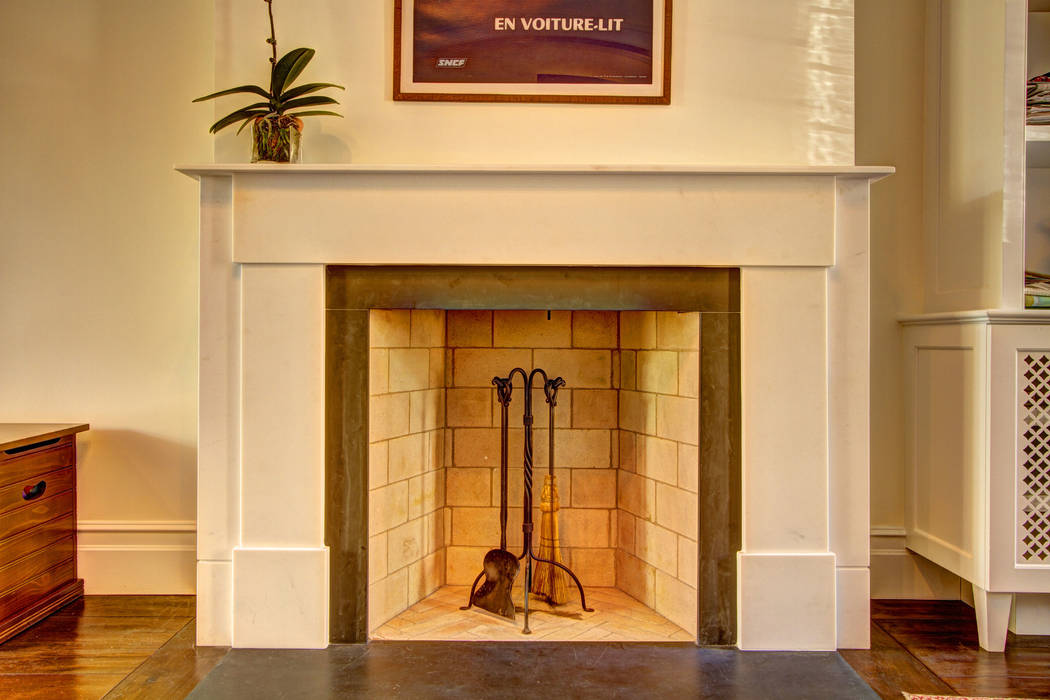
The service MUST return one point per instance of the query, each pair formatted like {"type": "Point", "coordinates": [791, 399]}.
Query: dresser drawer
{"type": "Point", "coordinates": [38, 522]}
{"type": "Point", "coordinates": [39, 537]}
{"type": "Point", "coordinates": [35, 487]}
{"type": "Point", "coordinates": [36, 512]}
{"type": "Point", "coordinates": [31, 565]}
{"type": "Point", "coordinates": [22, 466]}
{"type": "Point", "coordinates": [15, 600]}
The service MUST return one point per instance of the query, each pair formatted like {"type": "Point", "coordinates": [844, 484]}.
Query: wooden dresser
{"type": "Point", "coordinates": [38, 517]}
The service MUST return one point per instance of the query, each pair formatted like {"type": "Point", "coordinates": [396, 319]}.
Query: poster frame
{"type": "Point", "coordinates": [583, 93]}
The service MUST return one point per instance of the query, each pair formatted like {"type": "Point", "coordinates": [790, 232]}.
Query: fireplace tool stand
{"type": "Point", "coordinates": [504, 388]}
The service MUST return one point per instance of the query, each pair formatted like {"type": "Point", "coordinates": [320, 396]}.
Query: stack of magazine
{"type": "Point", "coordinates": [1038, 102]}
{"type": "Point", "coordinates": [1036, 291]}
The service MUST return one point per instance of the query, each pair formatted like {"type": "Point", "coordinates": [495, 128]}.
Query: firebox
{"type": "Point", "coordinates": [627, 429]}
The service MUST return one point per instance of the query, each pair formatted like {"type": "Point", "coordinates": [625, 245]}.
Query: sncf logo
{"type": "Point", "coordinates": [451, 62]}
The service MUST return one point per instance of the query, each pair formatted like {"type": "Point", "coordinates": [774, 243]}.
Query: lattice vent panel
{"type": "Point", "coordinates": [1034, 459]}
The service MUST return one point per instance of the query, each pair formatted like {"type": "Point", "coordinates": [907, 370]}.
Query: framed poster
{"type": "Point", "coordinates": [608, 51]}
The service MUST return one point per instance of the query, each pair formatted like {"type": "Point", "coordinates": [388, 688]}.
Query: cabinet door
{"type": "Point", "coordinates": [946, 444]}
{"type": "Point", "coordinates": [1019, 458]}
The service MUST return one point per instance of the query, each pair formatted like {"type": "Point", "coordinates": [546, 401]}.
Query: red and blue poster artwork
{"type": "Point", "coordinates": [615, 51]}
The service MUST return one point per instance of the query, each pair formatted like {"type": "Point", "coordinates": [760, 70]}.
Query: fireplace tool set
{"type": "Point", "coordinates": [500, 566]}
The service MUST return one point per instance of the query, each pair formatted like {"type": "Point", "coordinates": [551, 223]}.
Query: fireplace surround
{"type": "Point", "coordinates": [797, 235]}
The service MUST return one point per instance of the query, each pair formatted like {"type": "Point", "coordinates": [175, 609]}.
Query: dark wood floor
{"type": "Point", "coordinates": [931, 647]}
{"type": "Point", "coordinates": [142, 647]}
{"type": "Point", "coordinates": [112, 646]}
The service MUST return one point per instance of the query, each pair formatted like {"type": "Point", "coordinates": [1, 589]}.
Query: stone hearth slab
{"type": "Point", "coordinates": [577, 670]}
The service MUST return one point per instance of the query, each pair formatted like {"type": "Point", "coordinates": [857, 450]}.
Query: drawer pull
{"type": "Point", "coordinates": [31, 492]}
{"type": "Point", "coordinates": [35, 445]}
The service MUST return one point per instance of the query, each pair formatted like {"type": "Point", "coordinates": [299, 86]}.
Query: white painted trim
{"type": "Point", "coordinates": [887, 532]}
{"type": "Point", "coordinates": [280, 597]}
{"type": "Point", "coordinates": [214, 603]}
{"type": "Point", "coordinates": [990, 317]}
{"type": "Point", "coordinates": [897, 573]}
{"type": "Point", "coordinates": [136, 526]}
{"type": "Point", "coordinates": [873, 172]}
{"type": "Point", "coordinates": [137, 548]}
{"type": "Point", "coordinates": [137, 569]}
{"type": "Point", "coordinates": [1030, 614]}
{"type": "Point", "coordinates": [848, 332]}
{"type": "Point", "coordinates": [786, 601]}
{"type": "Point", "coordinates": [245, 389]}
{"type": "Point", "coordinates": [144, 557]}
{"type": "Point", "coordinates": [852, 607]}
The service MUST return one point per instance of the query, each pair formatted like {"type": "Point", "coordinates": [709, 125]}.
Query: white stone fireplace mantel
{"type": "Point", "coordinates": [799, 235]}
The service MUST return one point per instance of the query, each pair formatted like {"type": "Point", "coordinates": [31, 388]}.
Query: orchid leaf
{"type": "Point", "coordinates": [235, 117]}
{"type": "Point", "coordinates": [308, 88]}
{"type": "Point", "coordinates": [286, 70]}
{"type": "Point", "coordinates": [247, 121]}
{"type": "Point", "coordinates": [232, 91]}
{"type": "Point", "coordinates": [315, 112]}
{"type": "Point", "coordinates": [307, 102]}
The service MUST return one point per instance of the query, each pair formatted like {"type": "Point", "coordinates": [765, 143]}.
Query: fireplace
{"type": "Point", "coordinates": [276, 559]}
{"type": "Point", "coordinates": [627, 435]}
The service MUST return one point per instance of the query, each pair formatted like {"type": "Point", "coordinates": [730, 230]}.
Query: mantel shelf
{"type": "Point", "coordinates": [994, 317]}
{"type": "Point", "coordinates": [873, 172]}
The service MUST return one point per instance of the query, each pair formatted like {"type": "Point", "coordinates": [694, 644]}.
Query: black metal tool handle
{"type": "Point", "coordinates": [31, 492]}
{"type": "Point", "coordinates": [503, 393]}
{"type": "Point", "coordinates": [550, 389]}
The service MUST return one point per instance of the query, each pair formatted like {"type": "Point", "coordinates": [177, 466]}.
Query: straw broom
{"type": "Point", "coordinates": [549, 581]}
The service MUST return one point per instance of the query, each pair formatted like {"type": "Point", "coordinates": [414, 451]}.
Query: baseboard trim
{"type": "Point", "coordinates": [888, 532]}
{"type": "Point", "coordinates": [136, 526]}
{"type": "Point", "coordinates": [897, 573]}
{"type": "Point", "coordinates": [137, 557]}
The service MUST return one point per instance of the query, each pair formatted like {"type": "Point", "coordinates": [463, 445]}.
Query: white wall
{"type": "Point", "coordinates": [98, 263]}
{"type": "Point", "coordinates": [891, 94]}
{"type": "Point", "coordinates": [98, 256]}
{"type": "Point", "coordinates": [753, 82]}
{"type": "Point", "coordinates": [890, 53]}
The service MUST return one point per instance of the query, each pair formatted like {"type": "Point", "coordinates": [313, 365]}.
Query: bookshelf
{"type": "Point", "coordinates": [977, 363]}
{"type": "Point", "coordinates": [1037, 148]}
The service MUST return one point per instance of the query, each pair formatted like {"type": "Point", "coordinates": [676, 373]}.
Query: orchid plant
{"type": "Point", "coordinates": [275, 119]}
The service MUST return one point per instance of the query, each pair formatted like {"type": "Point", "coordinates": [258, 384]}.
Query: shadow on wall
{"type": "Point", "coordinates": [136, 512]}
{"type": "Point", "coordinates": [130, 475]}
{"type": "Point", "coordinates": [333, 148]}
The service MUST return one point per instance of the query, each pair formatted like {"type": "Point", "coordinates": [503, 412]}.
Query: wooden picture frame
{"type": "Point", "coordinates": [573, 51]}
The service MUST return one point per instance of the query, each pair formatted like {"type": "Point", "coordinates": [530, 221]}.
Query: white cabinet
{"type": "Point", "coordinates": [977, 365]}
{"type": "Point", "coordinates": [977, 411]}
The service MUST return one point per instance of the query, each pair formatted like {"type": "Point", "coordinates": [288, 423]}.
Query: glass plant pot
{"type": "Point", "coordinates": [276, 139]}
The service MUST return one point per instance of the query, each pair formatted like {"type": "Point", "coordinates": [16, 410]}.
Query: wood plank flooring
{"type": "Point", "coordinates": [142, 647]}
{"type": "Point", "coordinates": [98, 643]}
{"type": "Point", "coordinates": [931, 647]}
